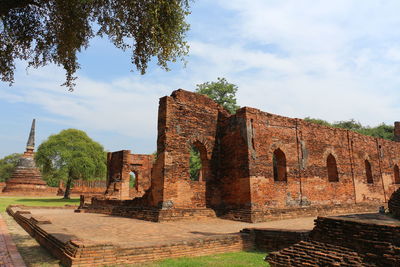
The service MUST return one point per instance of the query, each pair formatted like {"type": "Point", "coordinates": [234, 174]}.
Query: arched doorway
{"type": "Point", "coordinates": [133, 180]}
{"type": "Point", "coordinates": [198, 162]}
{"type": "Point", "coordinates": [333, 175]}
{"type": "Point", "coordinates": [199, 176]}
{"type": "Point", "coordinates": [368, 172]}
{"type": "Point", "coordinates": [279, 166]}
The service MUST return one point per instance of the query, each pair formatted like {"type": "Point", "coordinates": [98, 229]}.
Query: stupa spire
{"type": "Point", "coordinates": [31, 140]}
{"type": "Point", "coordinates": [26, 178]}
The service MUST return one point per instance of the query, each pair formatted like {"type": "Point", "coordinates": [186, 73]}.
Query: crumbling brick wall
{"type": "Point", "coordinates": [240, 149]}
{"type": "Point", "coordinates": [82, 187]}
{"type": "Point", "coordinates": [394, 204]}
{"type": "Point", "coordinates": [119, 166]}
{"type": "Point", "coordinates": [2, 185]}
{"type": "Point", "coordinates": [233, 173]}
{"type": "Point", "coordinates": [254, 163]}
{"type": "Point", "coordinates": [306, 147]}
{"type": "Point", "coordinates": [185, 119]}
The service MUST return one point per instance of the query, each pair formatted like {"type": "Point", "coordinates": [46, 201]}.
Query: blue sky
{"type": "Point", "coordinates": [334, 60]}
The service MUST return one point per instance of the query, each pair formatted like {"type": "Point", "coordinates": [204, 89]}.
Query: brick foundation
{"type": "Point", "coordinates": [77, 252]}
{"type": "Point", "coordinates": [359, 240]}
{"type": "Point", "coordinates": [275, 239]}
{"type": "Point", "coordinates": [135, 209]}
{"type": "Point", "coordinates": [394, 204]}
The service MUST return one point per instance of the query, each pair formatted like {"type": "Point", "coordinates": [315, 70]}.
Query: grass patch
{"type": "Point", "coordinates": [232, 259]}
{"type": "Point", "coordinates": [37, 201]}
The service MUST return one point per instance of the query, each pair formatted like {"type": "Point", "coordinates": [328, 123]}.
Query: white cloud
{"type": "Point", "coordinates": [332, 60]}
{"type": "Point", "coordinates": [327, 59]}
{"type": "Point", "coordinates": [126, 106]}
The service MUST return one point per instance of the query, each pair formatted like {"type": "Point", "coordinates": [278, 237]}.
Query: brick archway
{"type": "Point", "coordinates": [203, 141]}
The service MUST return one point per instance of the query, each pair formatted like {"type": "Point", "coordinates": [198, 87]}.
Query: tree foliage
{"type": "Point", "coordinates": [54, 31]}
{"type": "Point", "coordinates": [381, 131]}
{"type": "Point", "coordinates": [7, 166]}
{"type": "Point", "coordinates": [194, 164]}
{"type": "Point", "coordinates": [222, 92]}
{"type": "Point", "coordinates": [71, 155]}
{"type": "Point", "coordinates": [132, 179]}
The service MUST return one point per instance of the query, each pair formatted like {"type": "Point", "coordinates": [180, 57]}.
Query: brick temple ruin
{"type": "Point", "coordinates": [256, 166]}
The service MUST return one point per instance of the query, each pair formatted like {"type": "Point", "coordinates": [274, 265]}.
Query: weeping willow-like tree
{"type": "Point", "coordinates": [71, 155]}
{"type": "Point", "coordinates": [54, 31]}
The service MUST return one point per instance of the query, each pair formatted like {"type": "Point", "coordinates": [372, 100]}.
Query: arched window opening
{"type": "Point", "coordinates": [279, 165]}
{"type": "Point", "coordinates": [195, 165]}
{"type": "Point", "coordinates": [333, 175]}
{"type": "Point", "coordinates": [368, 172]}
{"type": "Point", "coordinates": [132, 179]}
{"type": "Point", "coordinates": [396, 174]}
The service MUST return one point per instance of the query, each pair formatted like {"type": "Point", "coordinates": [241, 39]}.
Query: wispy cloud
{"type": "Point", "coordinates": [332, 60]}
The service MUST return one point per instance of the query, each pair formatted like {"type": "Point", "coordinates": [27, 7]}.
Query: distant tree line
{"type": "Point", "coordinates": [382, 131]}
{"type": "Point", "coordinates": [7, 166]}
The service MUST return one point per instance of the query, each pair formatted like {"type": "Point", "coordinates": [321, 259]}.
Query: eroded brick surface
{"type": "Point", "coordinates": [238, 180]}
{"type": "Point", "coordinates": [353, 240]}
{"type": "Point", "coordinates": [394, 204]}
{"type": "Point", "coordinates": [120, 164]}
{"type": "Point", "coordinates": [83, 187]}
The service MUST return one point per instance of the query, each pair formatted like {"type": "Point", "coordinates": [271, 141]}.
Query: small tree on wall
{"type": "Point", "coordinates": [222, 92]}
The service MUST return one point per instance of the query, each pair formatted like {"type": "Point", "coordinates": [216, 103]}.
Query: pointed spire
{"type": "Point", "coordinates": [31, 140]}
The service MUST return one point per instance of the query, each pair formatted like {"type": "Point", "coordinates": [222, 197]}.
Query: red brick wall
{"type": "Point", "coordinates": [2, 185]}
{"type": "Point", "coordinates": [119, 165]}
{"type": "Point", "coordinates": [306, 147]}
{"type": "Point", "coordinates": [238, 180]}
{"type": "Point", "coordinates": [239, 152]}
{"type": "Point", "coordinates": [394, 204]}
{"type": "Point", "coordinates": [82, 187]}
{"type": "Point", "coordinates": [185, 118]}
{"type": "Point", "coordinates": [234, 170]}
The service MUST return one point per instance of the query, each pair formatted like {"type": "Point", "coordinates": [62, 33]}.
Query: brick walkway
{"type": "Point", "coordinates": [9, 255]}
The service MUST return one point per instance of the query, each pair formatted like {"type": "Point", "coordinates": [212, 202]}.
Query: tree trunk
{"type": "Point", "coordinates": [68, 188]}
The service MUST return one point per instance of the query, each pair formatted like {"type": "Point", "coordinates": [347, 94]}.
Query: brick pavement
{"type": "Point", "coordinates": [9, 255]}
{"type": "Point", "coordinates": [132, 232]}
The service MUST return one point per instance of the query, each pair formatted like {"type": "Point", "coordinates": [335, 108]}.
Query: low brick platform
{"type": "Point", "coordinates": [267, 239]}
{"type": "Point", "coordinates": [352, 240]}
{"type": "Point", "coordinates": [95, 239]}
{"type": "Point", "coordinates": [126, 208]}
{"type": "Point", "coordinates": [394, 204]}
{"type": "Point", "coordinates": [135, 209]}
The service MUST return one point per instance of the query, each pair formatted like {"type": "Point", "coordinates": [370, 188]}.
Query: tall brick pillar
{"type": "Point", "coordinates": [397, 131]}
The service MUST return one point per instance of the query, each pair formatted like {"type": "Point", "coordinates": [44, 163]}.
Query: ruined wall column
{"type": "Point", "coordinates": [397, 131]}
